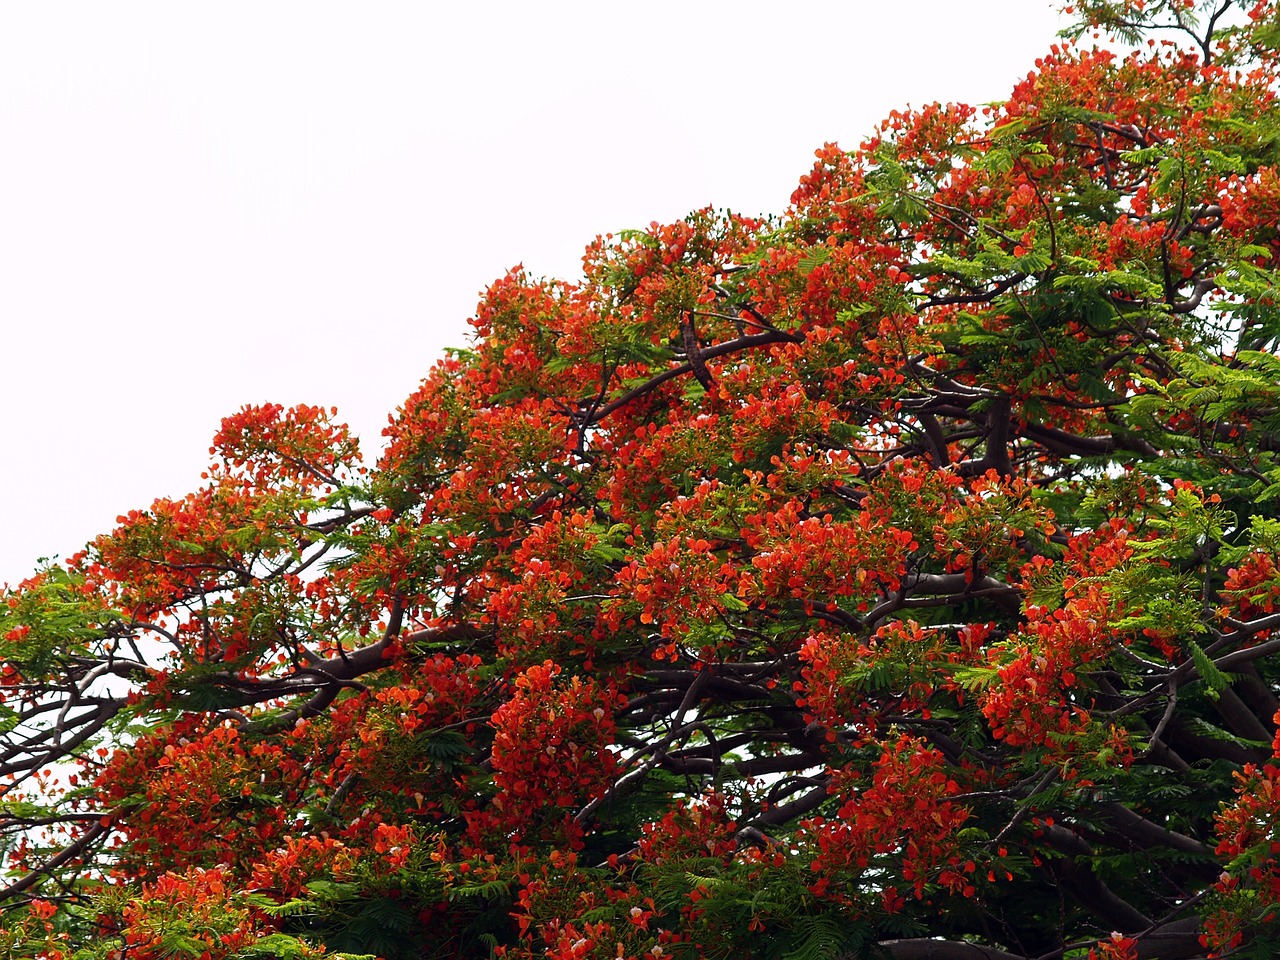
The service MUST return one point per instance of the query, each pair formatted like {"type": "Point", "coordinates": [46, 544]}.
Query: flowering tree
{"type": "Point", "coordinates": [898, 577]}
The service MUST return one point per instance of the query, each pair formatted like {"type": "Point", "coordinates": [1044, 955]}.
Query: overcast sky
{"type": "Point", "coordinates": [206, 205]}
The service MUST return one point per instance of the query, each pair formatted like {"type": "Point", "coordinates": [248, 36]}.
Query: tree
{"type": "Point", "coordinates": [897, 577]}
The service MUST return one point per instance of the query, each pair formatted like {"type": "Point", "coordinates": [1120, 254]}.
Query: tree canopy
{"type": "Point", "coordinates": [898, 576]}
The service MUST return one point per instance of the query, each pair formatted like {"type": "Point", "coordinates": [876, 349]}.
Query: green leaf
{"type": "Point", "coordinates": [1215, 680]}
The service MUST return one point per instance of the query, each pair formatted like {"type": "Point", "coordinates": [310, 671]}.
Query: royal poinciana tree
{"type": "Point", "coordinates": [896, 577]}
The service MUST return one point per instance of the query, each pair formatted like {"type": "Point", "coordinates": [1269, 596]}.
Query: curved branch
{"type": "Point", "coordinates": [921, 948]}
{"type": "Point", "coordinates": [68, 853]}
{"type": "Point", "coordinates": [707, 353]}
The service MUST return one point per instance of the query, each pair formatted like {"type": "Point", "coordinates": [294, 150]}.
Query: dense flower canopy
{"type": "Point", "coordinates": [894, 577]}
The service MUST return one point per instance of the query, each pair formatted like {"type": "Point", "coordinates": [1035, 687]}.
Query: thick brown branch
{"type": "Point", "coordinates": [67, 854]}
{"type": "Point", "coordinates": [924, 949]}
{"type": "Point", "coordinates": [707, 353]}
{"type": "Point", "coordinates": [1147, 834]}
{"type": "Point", "coordinates": [331, 676]}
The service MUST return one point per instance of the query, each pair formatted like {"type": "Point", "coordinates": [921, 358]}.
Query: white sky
{"type": "Point", "coordinates": [206, 205]}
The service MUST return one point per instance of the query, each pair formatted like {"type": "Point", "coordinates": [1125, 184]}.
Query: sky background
{"type": "Point", "coordinates": [207, 205]}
